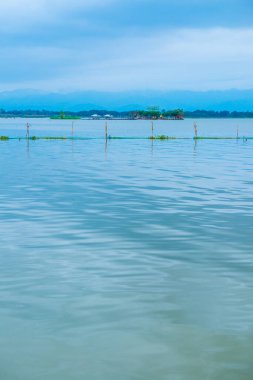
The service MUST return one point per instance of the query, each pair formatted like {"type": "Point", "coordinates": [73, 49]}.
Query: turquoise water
{"type": "Point", "coordinates": [131, 260]}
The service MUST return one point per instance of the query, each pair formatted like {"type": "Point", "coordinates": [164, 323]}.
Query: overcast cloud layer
{"type": "Point", "coordinates": [126, 44]}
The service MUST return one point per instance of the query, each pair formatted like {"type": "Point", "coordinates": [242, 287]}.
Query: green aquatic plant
{"type": "Point", "coordinates": [62, 116]}
{"type": "Point", "coordinates": [162, 137]}
{"type": "Point", "coordinates": [49, 138]}
{"type": "Point", "coordinates": [158, 137]}
{"type": "Point", "coordinates": [57, 138]}
{"type": "Point", "coordinates": [214, 138]}
{"type": "Point", "coordinates": [115, 138]}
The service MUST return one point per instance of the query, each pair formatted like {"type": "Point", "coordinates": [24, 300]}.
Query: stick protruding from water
{"type": "Point", "coordinates": [195, 130]}
{"type": "Point", "coordinates": [106, 130]}
{"type": "Point", "coordinates": [27, 130]}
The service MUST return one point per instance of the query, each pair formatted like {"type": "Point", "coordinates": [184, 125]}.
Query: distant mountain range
{"type": "Point", "coordinates": [231, 100]}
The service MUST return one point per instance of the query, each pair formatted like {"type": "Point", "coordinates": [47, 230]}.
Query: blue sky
{"type": "Point", "coordinates": [121, 45]}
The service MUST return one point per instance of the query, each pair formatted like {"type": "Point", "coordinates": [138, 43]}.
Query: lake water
{"type": "Point", "coordinates": [131, 260]}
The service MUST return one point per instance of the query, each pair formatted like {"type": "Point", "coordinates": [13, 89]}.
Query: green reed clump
{"type": "Point", "coordinates": [162, 137]}
{"type": "Point", "coordinates": [4, 138]}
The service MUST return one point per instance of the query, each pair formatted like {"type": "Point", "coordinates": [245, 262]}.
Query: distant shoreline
{"type": "Point", "coordinates": [119, 118]}
{"type": "Point", "coordinates": [150, 114]}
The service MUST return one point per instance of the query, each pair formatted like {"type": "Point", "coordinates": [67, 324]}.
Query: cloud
{"type": "Point", "coordinates": [183, 59]}
{"type": "Point", "coordinates": [64, 18]}
{"type": "Point", "coordinates": [116, 44]}
{"type": "Point", "coordinates": [25, 16]}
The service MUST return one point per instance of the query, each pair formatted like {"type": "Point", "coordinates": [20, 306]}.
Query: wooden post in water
{"type": "Point", "coordinates": [152, 129]}
{"type": "Point", "coordinates": [27, 130]}
{"type": "Point", "coordinates": [195, 130]}
{"type": "Point", "coordinates": [106, 131]}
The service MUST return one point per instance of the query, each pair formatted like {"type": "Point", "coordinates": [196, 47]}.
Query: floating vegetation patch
{"type": "Point", "coordinates": [63, 116]}
{"type": "Point", "coordinates": [162, 137]}
{"type": "Point", "coordinates": [158, 137]}
{"type": "Point", "coordinates": [115, 138]}
{"type": "Point", "coordinates": [48, 138]}
{"type": "Point", "coordinates": [214, 138]}
{"type": "Point", "coordinates": [57, 138]}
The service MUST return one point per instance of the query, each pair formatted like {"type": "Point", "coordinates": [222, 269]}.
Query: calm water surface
{"type": "Point", "coordinates": [126, 261]}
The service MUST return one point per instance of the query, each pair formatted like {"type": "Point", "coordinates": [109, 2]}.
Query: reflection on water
{"type": "Point", "coordinates": [126, 260]}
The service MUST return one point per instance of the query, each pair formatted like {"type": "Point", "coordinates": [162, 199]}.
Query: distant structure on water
{"type": "Point", "coordinates": [108, 116]}
{"type": "Point", "coordinates": [95, 116]}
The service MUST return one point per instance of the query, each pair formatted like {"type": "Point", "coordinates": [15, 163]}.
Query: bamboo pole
{"type": "Point", "coordinates": [195, 129]}
{"type": "Point", "coordinates": [27, 130]}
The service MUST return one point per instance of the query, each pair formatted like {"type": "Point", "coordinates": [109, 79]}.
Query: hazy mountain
{"type": "Point", "coordinates": [238, 100]}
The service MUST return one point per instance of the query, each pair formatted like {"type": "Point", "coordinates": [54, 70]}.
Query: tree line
{"type": "Point", "coordinates": [150, 113]}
